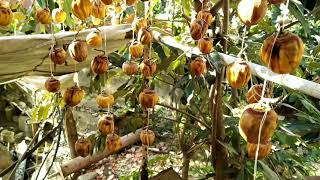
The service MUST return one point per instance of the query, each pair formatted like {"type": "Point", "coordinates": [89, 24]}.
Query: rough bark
{"type": "Point", "coordinates": [234, 99]}
{"type": "Point", "coordinates": [70, 129]}
{"type": "Point", "coordinates": [79, 163]}
{"type": "Point", "coordinates": [185, 166]}
{"type": "Point", "coordinates": [218, 130]}
{"type": "Point", "coordinates": [220, 155]}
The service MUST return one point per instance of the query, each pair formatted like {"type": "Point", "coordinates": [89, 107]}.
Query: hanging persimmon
{"type": "Point", "coordinates": [136, 49]}
{"type": "Point", "coordinates": [82, 9]}
{"type": "Point", "coordinates": [78, 50]}
{"type": "Point", "coordinates": [284, 54]}
{"type": "Point", "coordinates": [138, 24]}
{"type": "Point", "coordinates": [43, 16]}
{"type": "Point", "coordinates": [94, 39]}
{"type": "Point", "coordinates": [73, 95]}
{"type": "Point", "coordinates": [198, 66]}
{"type": "Point", "coordinates": [82, 147]}
{"type": "Point", "coordinates": [98, 9]}
{"type": "Point", "coordinates": [206, 16]}
{"type": "Point", "coordinates": [58, 15]}
{"type": "Point", "coordinates": [52, 84]}
{"type": "Point", "coordinates": [255, 92]}
{"type": "Point", "coordinates": [238, 74]}
{"type": "Point", "coordinates": [148, 98]}
{"type": "Point", "coordinates": [106, 124]}
{"type": "Point", "coordinates": [58, 55]}
{"type": "Point", "coordinates": [5, 16]}
{"type": "Point", "coordinates": [107, 2]}
{"type": "Point", "coordinates": [130, 68]}
{"type": "Point", "coordinates": [100, 64]}
{"type": "Point", "coordinates": [145, 36]}
{"type": "Point", "coordinates": [131, 2]}
{"type": "Point", "coordinates": [147, 137]}
{"type": "Point", "coordinates": [148, 67]}
{"type": "Point", "coordinates": [250, 122]}
{"type": "Point", "coordinates": [264, 150]}
{"type": "Point", "coordinates": [113, 143]}
{"type": "Point", "coordinates": [251, 12]}
{"type": "Point", "coordinates": [118, 8]}
{"type": "Point", "coordinates": [205, 45]}
{"type": "Point", "coordinates": [198, 29]}
{"type": "Point", "coordinates": [104, 100]}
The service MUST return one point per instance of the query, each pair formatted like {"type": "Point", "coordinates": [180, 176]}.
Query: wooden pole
{"type": "Point", "coordinates": [70, 130]}
{"type": "Point", "coordinates": [79, 162]}
{"type": "Point", "coordinates": [298, 84]}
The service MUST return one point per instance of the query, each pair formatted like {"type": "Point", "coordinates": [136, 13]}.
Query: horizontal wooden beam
{"type": "Point", "coordinates": [293, 82]}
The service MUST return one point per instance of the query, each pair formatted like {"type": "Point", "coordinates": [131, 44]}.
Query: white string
{"type": "Point", "coordinates": [105, 35]}
{"type": "Point", "coordinates": [243, 37]}
{"type": "Point", "coordinates": [258, 147]}
{"type": "Point", "coordinates": [52, 46]}
{"type": "Point", "coordinates": [285, 15]}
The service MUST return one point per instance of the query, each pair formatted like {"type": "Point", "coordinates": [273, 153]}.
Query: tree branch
{"type": "Point", "coordinates": [185, 113]}
{"type": "Point", "coordinates": [216, 7]}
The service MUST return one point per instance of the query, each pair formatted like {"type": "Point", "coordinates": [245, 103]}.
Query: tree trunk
{"type": "Point", "coordinates": [234, 99]}
{"type": "Point", "coordinates": [185, 166]}
{"type": "Point", "coordinates": [70, 130]}
{"type": "Point", "coordinates": [221, 155]}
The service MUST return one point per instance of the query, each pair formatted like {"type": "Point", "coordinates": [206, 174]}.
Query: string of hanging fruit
{"type": "Point", "coordinates": [78, 50]}
{"type": "Point", "coordinates": [148, 98]}
{"type": "Point", "coordinates": [198, 31]}
{"type": "Point", "coordinates": [282, 53]}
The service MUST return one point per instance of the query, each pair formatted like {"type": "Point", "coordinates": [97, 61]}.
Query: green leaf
{"type": "Point", "coordinates": [269, 173]}
{"type": "Point", "coordinates": [42, 3]}
{"type": "Point", "coordinates": [316, 52]}
{"type": "Point", "coordinates": [34, 115]}
{"type": "Point", "coordinates": [294, 9]}
{"type": "Point", "coordinates": [40, 113]}
{"type": "Point", "coordinates": [159, 50]}
{"type": "Point", "coordinates": [46, 111]}
{"type": "Point", "coordinates": [186, 4]}
{"type": "Point", "coordinates": [67, 6]}
{"type": "Point", "coordinates": [310, 107]}
{"type": "Point", "coordinates": [181, 60]}
{"type": "Point", "coordinates": [285, 139]}
{"type": "Point", "coordinates": [116, 59]}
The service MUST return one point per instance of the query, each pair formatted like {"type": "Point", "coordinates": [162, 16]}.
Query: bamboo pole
{"type": "Point", "coordinates": [298, 84]}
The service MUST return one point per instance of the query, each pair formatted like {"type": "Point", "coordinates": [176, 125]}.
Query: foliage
{"type": "Point", "coordinates": [295, 143]}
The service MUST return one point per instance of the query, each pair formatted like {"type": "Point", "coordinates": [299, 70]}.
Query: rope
{"type": "Point", "coordinates": [285, 15]}
{"type": "Point", "coordinates": [258, 147]}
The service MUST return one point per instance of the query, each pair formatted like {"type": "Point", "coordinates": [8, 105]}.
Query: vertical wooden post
{"type": "Point", "coordinates": [70, 130]}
